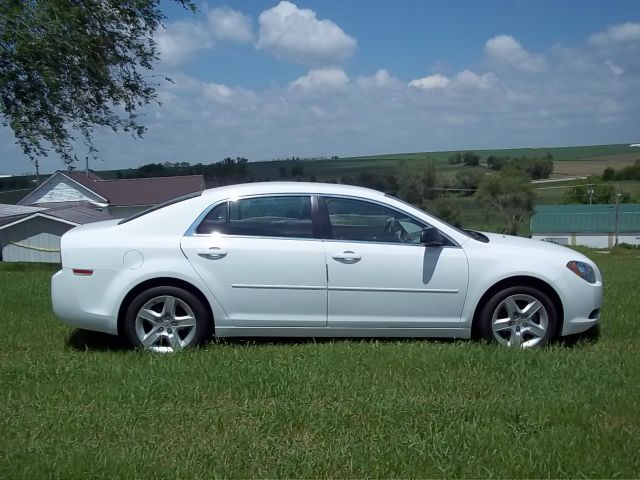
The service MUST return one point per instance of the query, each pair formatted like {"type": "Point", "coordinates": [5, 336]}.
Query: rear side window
{"type": "Point", "coordinates": [278, 216]}
{"type": "Point", "coordinates": [215, 221]}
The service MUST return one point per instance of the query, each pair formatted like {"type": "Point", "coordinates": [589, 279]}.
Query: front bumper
{"type": "Point", "coordinates": [581, 301]}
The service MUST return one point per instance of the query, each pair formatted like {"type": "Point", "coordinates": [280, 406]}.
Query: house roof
{"type": "Point", "coordinates": [127, 192]}
{"type": "Point", "coordinates": [585, 219]}
{"type": "Point", "coordinates": [79, 214]}
{"type": "Point", "coordinates": [13, 210]}
{"type": "Point", "coordinates": [138, 191]}
{"type": "Point", "coordinates": [73, 214]}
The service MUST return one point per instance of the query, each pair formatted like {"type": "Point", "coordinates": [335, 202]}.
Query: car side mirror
{"type": "Point", "coordinates": [431, 237]}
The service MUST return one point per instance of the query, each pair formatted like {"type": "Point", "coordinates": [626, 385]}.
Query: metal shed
{"type": "Point", "coordinates": [35, 236]}
{"type": "Point", "coordinates": [595, 226]}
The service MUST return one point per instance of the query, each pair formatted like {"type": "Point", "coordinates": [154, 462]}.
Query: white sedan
{"type": "Point", "coordinates": [314, 260]}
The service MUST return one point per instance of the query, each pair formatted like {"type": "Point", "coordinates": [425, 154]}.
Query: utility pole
{"type": "Point", "coordinates": [617, 212]}
{"type": "Point", "coordinates": [37, 172]}
{"type": "Point", "coordinates": [590, 193]}
{"type": "Point", "coordinates": [86, 159]}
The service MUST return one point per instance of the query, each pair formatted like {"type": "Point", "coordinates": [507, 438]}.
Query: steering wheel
{"type": "Point", "coordinates": [394, 229]}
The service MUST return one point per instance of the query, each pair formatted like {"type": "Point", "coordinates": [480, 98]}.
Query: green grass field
{"type": "Point", "coordinates": [78, 405]}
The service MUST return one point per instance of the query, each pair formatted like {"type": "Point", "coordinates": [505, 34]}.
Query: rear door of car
{"type": "Point", "coordinates": [262, 260]}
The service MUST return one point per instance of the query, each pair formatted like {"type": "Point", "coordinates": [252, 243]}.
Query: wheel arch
{"type": "Point", "coordinates": [518, 281]}
{"type": "Point", "coordinates": [162, 282]}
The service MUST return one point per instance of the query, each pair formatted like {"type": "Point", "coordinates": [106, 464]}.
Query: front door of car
{"type": "Point", "coordinates": [380, 276]}
{"type": "Point", "coordinates": [261, 261]}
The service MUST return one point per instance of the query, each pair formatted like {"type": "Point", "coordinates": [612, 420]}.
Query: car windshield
{"type": "Point", "coordinates": [463, 232]}
{"type": "Point", "coordinates": [159, 206]}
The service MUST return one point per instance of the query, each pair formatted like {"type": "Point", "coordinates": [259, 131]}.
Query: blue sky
{"type": "Point", "coordinates": [318, 78]}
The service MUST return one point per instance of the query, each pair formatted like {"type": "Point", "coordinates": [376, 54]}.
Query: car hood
{"type": "Point", "coordinates": [537, 247]}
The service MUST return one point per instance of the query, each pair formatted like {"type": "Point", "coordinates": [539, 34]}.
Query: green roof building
{"type": "Point", "coordinates": [589, 225]}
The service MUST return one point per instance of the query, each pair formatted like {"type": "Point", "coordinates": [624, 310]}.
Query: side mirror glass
{"type": "Point", "coordinates": [431, 237]}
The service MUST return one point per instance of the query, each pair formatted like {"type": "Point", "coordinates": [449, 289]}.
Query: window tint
{"type": "Point", "coordinates": [359, 220]}
{"type": "Point", "coordinates": [215, 221]}
{"type": "Point", "coordinates": [280, 216]}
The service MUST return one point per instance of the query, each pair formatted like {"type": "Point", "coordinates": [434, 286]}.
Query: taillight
{"type": "Point", "coordinates": [82, 271]}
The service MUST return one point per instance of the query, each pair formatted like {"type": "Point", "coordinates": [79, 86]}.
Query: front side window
{"type": "Point", "coordinates": [278, 216]}
{"type": "Point", "coordinates": [359, 220]}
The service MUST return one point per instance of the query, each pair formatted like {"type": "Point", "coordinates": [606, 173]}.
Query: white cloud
{"type": "Point", "coordinates": [617, 70]}
{"type": "Point", "coordinates": [621, 33]}
{"type": "Point", "coordinates": [230, 25]}
{"type": "Point", "coordinates": [324, 79]}
{"type": "Point", "coordinates": [381, 79]}
{"type": "Point", "coordinates": [180, 40]}
{"type": "Point", "coordinates": [506, 50]}
{"type": "Point", "coordinates": [469, 79]}
{"type": "Point", "coordinates": [430, 82]}
{"type": "Point", "coordinates": [462, 81]}
{"type": "Point", "coordinates": [295, 34]}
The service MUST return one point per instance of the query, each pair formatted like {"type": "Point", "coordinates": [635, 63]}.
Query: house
{"type": "Point", "coordinates": [119, 198]}
{"type": "Point", "coordinates": [589, 225]}
{"type": "Point", "coordinates": [32, 234]}
{"type": "Point", "coordinates": [31, 230]}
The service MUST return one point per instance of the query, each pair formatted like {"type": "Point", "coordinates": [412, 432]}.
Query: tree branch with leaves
{"type": "Point", "coordinates": [68, 67]}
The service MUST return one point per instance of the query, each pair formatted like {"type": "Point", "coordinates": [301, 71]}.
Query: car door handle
{"type": "Point", "coordinates": [213, 253]}
{"type": "Point", "coordinates": [347, 257]}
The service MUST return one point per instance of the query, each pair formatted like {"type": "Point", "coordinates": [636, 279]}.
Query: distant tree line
{"type": "Point", "coordinates": [227, 170]}
{"type": "Point", "coordinates": [14, 183]}
{"type": "Point", "coordinates": [535, 168]}
{"type": "Point", "coordinates": [631, 172]}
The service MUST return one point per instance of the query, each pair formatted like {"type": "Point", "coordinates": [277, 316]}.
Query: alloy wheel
{"type": "Point", "coordinates": [520, 321]}
{"type": "Point", "coordinates": [165, 324]}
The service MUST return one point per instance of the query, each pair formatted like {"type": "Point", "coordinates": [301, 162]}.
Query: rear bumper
{"type": "Point", "coordinates": [81, 301]}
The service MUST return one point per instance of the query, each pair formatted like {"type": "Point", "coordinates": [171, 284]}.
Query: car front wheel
{"type": "Point", "coordinates": [519, 317]}
{"type": "Point", "coordinates": [166, 319]}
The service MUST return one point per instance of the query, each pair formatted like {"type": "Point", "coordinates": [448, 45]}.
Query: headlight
{"type": "Point", "coordinates": [583, 270]}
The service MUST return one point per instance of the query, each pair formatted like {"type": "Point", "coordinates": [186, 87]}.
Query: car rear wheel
{"type": "Point", "coordinates": [519, 317]}
{"type": "Point", "coordinates": [166, 319]}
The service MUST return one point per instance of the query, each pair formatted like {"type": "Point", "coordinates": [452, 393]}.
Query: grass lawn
{"type": "Point", "coordinates": [78, 405]}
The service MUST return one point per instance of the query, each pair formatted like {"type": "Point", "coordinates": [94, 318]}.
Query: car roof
{"type": "Point", "coordinates": [260, 188]}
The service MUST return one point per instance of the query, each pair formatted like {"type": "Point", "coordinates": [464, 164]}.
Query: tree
{"type": "Point", "coordinates": [417, 181]}
{"type": "Point", "coordinates": [455, 158]}
{"type": "Point", "coordinates": [511, 194]}
{"type": "Point", "coordinates": [608, 174]}
{"type": "Point", "coordinates": [468, 180]}
{"type": "Point", "coordinates": [591, 190]}
{"type": "Point", "coordinates": [297, 171]}
{"type": "Point", "coordinates": [444, 209]}
{"type": "Point", "coordinates": [68, 67]}
{"type": "Point", "coordinates": [471, 159]}
{"type": "Point", "coordinates": [536, 168]}
{"type": "Point", "coordinates": [496, 163]}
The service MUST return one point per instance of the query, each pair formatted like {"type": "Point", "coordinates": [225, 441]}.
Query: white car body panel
{"type": "Point", "coordinates": [255, 281]}
{"type": "Point", "coordinates": [395, 286]}
{"type": "Point", "coordinates": [294, 287]}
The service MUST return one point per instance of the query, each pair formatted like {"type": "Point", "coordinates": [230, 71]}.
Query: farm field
{"type": "Point", "coordinates": [78, 405]}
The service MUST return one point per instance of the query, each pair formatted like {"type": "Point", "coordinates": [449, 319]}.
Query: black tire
{"type": "Point", "coordinates": [172, 329]}
{"type": "Point", "coordinates": [520, 328]}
